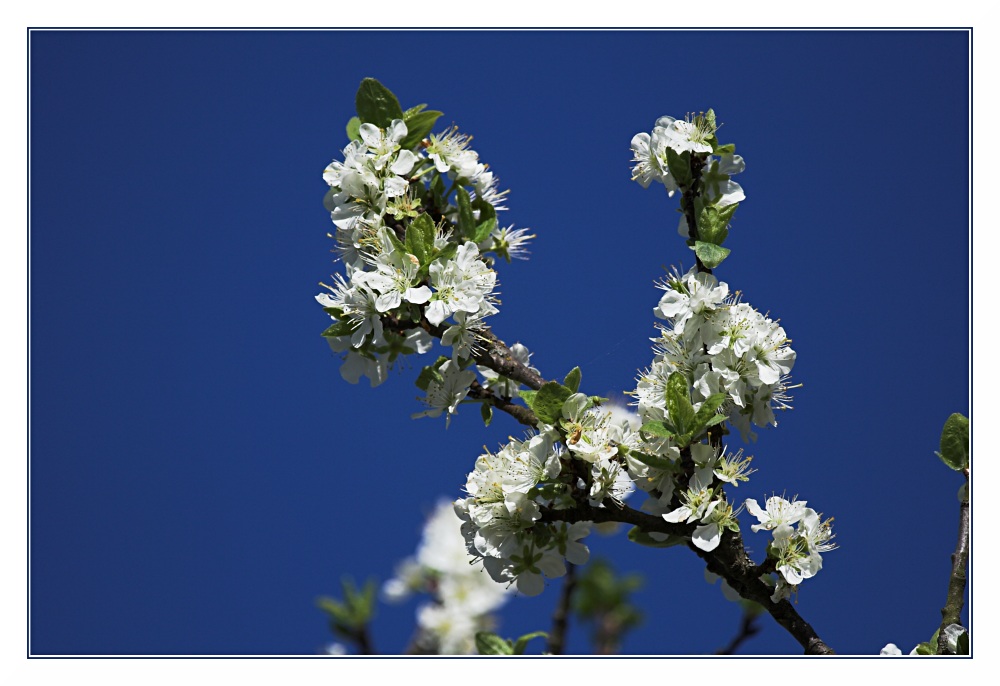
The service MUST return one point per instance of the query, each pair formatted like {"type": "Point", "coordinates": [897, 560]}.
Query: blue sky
{"type": "Point", "coordinates": [200, 473]}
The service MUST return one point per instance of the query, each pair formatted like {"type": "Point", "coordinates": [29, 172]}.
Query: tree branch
{"type": "Point", "coordinates": [518, 412]}
{"type": "Point", "coordinates": [952, 610]}
{"type": "Point", "coordinates": [560, 617]}
{"type": "Point", "coordinates": [690, 193]}
{"type": "Point", "coordinates": [729, 560]}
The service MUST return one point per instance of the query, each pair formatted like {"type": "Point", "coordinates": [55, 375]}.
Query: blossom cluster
{"type": "Point", "coordinates": [723, 346]}
{"type": "Point", "coordinates": [462, 597]}
{"type": "Point", "coordinates": [416, 230]}
{"type": "Point", "coordinates": [796, 551]}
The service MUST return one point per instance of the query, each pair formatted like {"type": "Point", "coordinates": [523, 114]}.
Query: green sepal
{"type": "Point", "coordinates": [955, 442]}
{"type": "Point", "coordinates": [486, 410]}
{"type": "Point", "coordinates": [528, 397]}
{"type": "Point", "coordinates": [596, 399]}
{"type": "Point", "coordinates": [522, 643]}
{"type": "Point", "coordinates": [547, 404]}
{"type": "Point", "coordinates": [353, 129]}
{"type": "Point", "coordinates": [420, 239]}
{"type": "Point", "coordinates": [418, 125]}
{"type": "Point", "coordinates": [376, 104]}
{"type": "Point", "coordinates": [658, 429]}
{"type": "Point", "coordinates": [572, 380]}
{"type": "Point", "coordinates": [637, 535]}
{"type": "Point", "coordinates": [679, 166]}
{"type": "Point", "coordinates": [711, 255]}
{"type": "Point", "coordinates": [679, 406]}
{"type": "Point", "coordinates": [711, 226]}
{"type": "Point", "coordinates": [328, 202]}
{"type": "Point", "coordinates": [342, 328]}
{"type": "Point", "coordinates": [490, 644]}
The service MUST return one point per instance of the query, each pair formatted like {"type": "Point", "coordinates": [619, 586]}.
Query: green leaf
{"type": "Point", "coordinates": [706, 412]}
{"type": "Point", "coordinates": [726, 213]}
{"type": "Point", "coordinates": [397, 244]}
{"type": "Point", "coordinates": [427, 375]}
{"type": "Point", "coordinates": [353, 129]}
{"type": "Point", "coordinates": [955, 442]}
{"type": "Point", "coordinates": [491, 644]}
{"type": "Point", "coordinates": [420, 239]}
{"type": "Point", "coordinates": [487, 221]}
{"type": "Point", "coordinates": [342, 328]}
{"type": "Point", "coordinates": [528, 397]}
{"type": "Point", "coordinates": [926, 649]}
{"type": "Point", "coordinates": [679, 402]}
{"type": "Point", "coordinates": [547, 405]}
{"type": "Point", "coordinates": [466, 220]}
{"type": "Point", "coordinates": [521, 643]}
{"type": "Point", "coordinates": [716, 419]}
{"type": "Point", "coordinates": [376, 104]}
{"type": "Point", "coordinates": [658, 429]}
{"type": "Point", "coordinates": [727, 149]}
{"type": "Point", "coordinates": [416, 109]}
{"type": "Point", "coordinates": [711, 226]}
{"type": "Point", "coordinates": [572, 380]}
{"type": "Point", "coordinates": [418, 125]}
{"type": "Point", "coordinates": [679, 166]}
{"type": "Point", "coordinates": [711, 255]}
{"type": "Point", "coordinates": [637, 535]}
{"type": "Point", "coordinates": [486, 410]}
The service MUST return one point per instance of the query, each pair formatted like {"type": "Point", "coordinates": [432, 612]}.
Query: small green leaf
{"type": "Point", "coordinates": [522, 642]}
{"type": "Point", "coordinates": [447, 252]}
{"type": "Point", "coordinates": [727, 149]}
{"type": "Point", "coordinates": [427, 375]}
{"type": "Point", "coordinates": [420, 239]}
{"type": "Point", "coordinates": [679, 402]}
{"type": "Point", "coordinates": [955, 442]}
{"type": "Point", "coordinates": [637, 535]}
{"type": "Point", "coordinates": [418, 125]}
{"type": "Point", "coordinates": [706, 413]}
{"type": "Point", "coordinates": [726, 213]}
{"type": "Point", "coordinates": [711, 255]}
{"type": "Point", "coordinates": [491, 644]}
{"type": "Point", "coordinates": [342, 328]}
{"type": "Point", "coordinates": [547, 405]}
{"type": "Point", "coordinates": [376, 104]}
{"type": "Point", "coordinates": [416, 109]}
{"type": "Point", "coordinates": [711, 226]}
{"type": "Point", "coordinates": [679, 166]}
{"type": "Point", "coordinates": [353, 129]}
{"type": "Point", "coordinates": [397, 244]}
{"type": "Point", "coordinates": [486, 410]}
{"type": "Point", "coordinates": [528, 397]}
{"type": "Point", "coordinates": [658, 429]}
{"type": "Point", "coordinates": [487, 221]}
{"type": "Point", "coordinates": [716, 419]}
{"type": "Point", "coordinates": [466, 220]}
{"type": "Point", "coordinates": [925, 649]}
{"type": "Point", "coordinates": [572, 380]}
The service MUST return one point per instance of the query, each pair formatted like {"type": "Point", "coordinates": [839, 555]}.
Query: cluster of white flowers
{"type": "Point", "coordinates": [463, 597]}
{"type": "Point", "coordinates": [797, 551]}
{"type": "Point", "coordinates": [507, 490]}
{"type": "Point", "coordinates": [722, 346]}
{"type": "Point", "coordinates": [401, 263]}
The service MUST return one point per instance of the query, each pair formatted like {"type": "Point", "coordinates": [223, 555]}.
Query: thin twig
{"type": "Point", "coordinates": [560, 617]}
{"type": "Point", "coordinates": [748, 629]}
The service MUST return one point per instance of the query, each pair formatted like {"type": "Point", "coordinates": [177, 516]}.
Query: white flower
{"type": "Point", "coordinates": [890, 649]}
{"type": "Point", "coordinates": [685, 136]}
{"type": "Point", "coordinates": [778, 511]}
{"type": "Point", "coordinates": [648, 154]}
{"type": "Point", "coordinates": [394, 279]}
{"type": "Point", "coordinates": [447, 393]}
{"type": "Point", "coordinates": [460, 284]}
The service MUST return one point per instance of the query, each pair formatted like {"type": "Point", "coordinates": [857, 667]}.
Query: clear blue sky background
{"type": "Point", "coordinates": [199, 471]}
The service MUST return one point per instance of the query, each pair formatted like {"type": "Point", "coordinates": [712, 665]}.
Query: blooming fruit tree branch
{"type": "Point", "coordinates": [417, 227]}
